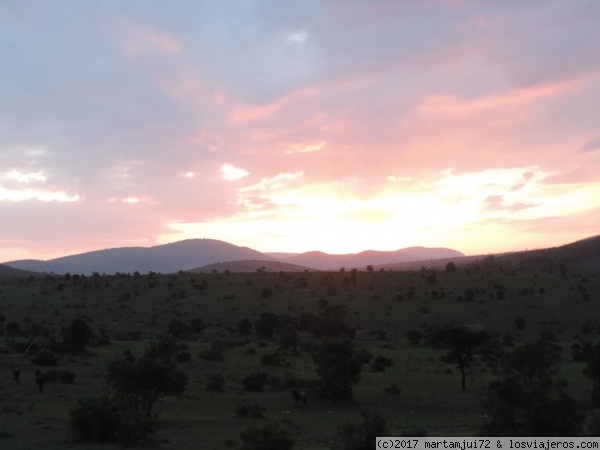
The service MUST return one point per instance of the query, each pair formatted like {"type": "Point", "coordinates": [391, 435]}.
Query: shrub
{"type": "Point", "coordinates": [255, 381]}
{"type": "Point", "coordinates": [392, 389]}
{"type": "Point", "coordinates": [104, 420]}
{"type": "Point", "coordinates": [270, 437]}
{"type": "Point", "coordinates": [130, 335]}
{"type": "Point", "coordinates": [212, 355]}
{"type": "Point", "coordinates": [45, 358]}
{"type": "Point", "coordinates": [139, 384]}
{"type": "Point", "coordinates": [380, 363]}
{"type": "Point", "coordinates": [275, 359]}
{"type": "Point", "coordinates": [179, 329]}
{"type": "Point", "coordinates": [360, 436]}
{"type": "Point", "coordinates": [215, 383]}
{"type": "Point", "coordinates": [66, 377]}
{"type": "Point", "coordinates": [266, 325]}
{"type": "Point", "coordinates": [245, 327]}
{"type": "Point", "coordinates": [250, 410]}
{"type": "Point", "coordinates": [414, 336]}
{"type": "Point", "coordinates": [76, 336]}
{"type": "Point", "coordinates": [338, 366]}
{"type": "Point", "coordinates": [183, 357]}
{"type": "Point", "coordinates": [164, 348]}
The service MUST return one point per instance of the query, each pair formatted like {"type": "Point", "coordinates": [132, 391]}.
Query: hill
{"type": "Point", "coordinates": [579, 255]}
{"type": "Point", "coordinates": [167, 258]}
{"type": "Point", "coordinates": [251, 266]}
{"type": "Point", "coordinates": [325, 261]}
{"type": "Point", "coordinates": [10, 272]}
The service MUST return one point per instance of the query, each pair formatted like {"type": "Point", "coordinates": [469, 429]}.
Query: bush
{"type": "Point", "coordinates": [197, 325]}
{"type": "Point", "coordinates": [270, 437]}
{"type": "Point", "coordinates": [392, 389]}
{"type": "Point", "coordinates": [361, 436]}
{"type": "Point", "coordinates": [183, 357]}
{"type": "Point", "coordinates": [130, 335]}
{"type": "Point", "coordinates": [275, 359]}
{"type": "Point", "coordinates": [164, 348]}
{"type": "Point", "coordinates": [179, 329]}
{"type": "Point", "coordinates": [104, 420]}
{"type": "Point", "coordinates": [76, 336]}
{"type": "Point", "coordinates": [66, 377]}
{"type": "Point", "coordinates": [139, 384]}
{"type": "Point", "coordinates": [245, 327]}
{"type": "Point", "coordinates": [212, 355]}
{"type": "Point", "coordinates": [380, 363]}
{"type": "Point", "coordinates": [215, 383]}
{"type": "Point", "coordinates": [45, 358]}
{"type": "Point", "coordinates": [338, 365]}
{"type": "Point", "coordinates": [248, 410]}
{"type": "Point", "coordinates": [415, 336]}
{"type": "Point", "coordinates": [255, 381]}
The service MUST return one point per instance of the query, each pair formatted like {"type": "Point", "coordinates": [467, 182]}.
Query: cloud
{"type": "Point", "coordinates": [591, 145]}
{"type": "Point", "coordinates": [231, 172]}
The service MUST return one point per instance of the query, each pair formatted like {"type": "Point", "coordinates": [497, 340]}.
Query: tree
{"type": "Point", "coordinates": [140, 383]}
{"type": "Point", "coordinates": [245, 327]}
{"type": "Point", "coordinates": [339, 366]}
{"type": "Point", "coordinates": [164, 348]}
{"type": "Point", "coordinates": [465, 347]}
{"type": "Point", "coordinates": [528, 399]}
{"type": "Point", "coordinates": [591, 355]}
{"type": "Point", "coordinates": [77, 335]}
{"type": "Point", "coordinates": [288, 337]}
{"type": "Point", "coordinates": [361, 436]}
{"type": "Point", "coordinates": [266, 325]}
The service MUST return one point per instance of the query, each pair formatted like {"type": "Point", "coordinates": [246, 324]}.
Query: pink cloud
{"type": "Point", "coordinates": [141, 40]}
{"type": "Point", "coordinates": [457, 106]}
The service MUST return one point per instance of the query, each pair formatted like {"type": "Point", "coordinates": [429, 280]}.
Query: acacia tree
{"type": "Point", "coordinates": [77, 335]}
{"type": "Point", "coordinates": [339, 366]}
{"type": "Point", "coordinates": [465, 347]}
{"type": "Point", "coordinates": [528, 399]}
{"type": "Point", "coordinates": [140, 383]}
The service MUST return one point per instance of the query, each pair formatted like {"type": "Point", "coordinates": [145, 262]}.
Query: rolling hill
{"type": "Point", "coordinates": [580, 255]}
{"type": "Point", "coordinates": [167, 258]}
{"type": "Point", "coordinates": [251, 266]}
{"type": "Point", "coordinates": [325, 261]}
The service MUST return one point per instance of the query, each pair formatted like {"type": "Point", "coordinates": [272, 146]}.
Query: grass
{"type": "Point", "coordinates": [393, 302]}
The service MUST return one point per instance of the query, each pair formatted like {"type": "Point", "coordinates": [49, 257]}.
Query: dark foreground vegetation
{"type": "Point", "coordinates": [211, 360]}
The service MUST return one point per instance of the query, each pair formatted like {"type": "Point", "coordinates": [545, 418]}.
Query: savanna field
{"type": "Point", "coordinates": [245, 340]}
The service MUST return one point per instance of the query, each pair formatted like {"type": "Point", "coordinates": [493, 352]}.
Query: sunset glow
{"type": "Point", "coordinates": [332, 126]}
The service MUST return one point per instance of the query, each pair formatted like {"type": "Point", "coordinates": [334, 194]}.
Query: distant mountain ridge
{"type": "Point", "coordinates": [201, 255]}
{"type": "Point", "coordinates": [325, 261]}
{"type": "Point", "coordinates": [197, 254]}
{"type": "Point", "coordinates": [167, 258]}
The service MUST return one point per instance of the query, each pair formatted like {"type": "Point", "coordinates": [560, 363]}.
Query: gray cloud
{"type": "Point", "coordinates": [590, 146]}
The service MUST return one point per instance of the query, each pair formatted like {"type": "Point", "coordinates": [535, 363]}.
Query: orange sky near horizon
{"type": "Point", "coordinates": [332, 126]}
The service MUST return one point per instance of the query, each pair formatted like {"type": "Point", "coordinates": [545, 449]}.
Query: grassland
{"type": "Point", "coordinates": [382, 306]}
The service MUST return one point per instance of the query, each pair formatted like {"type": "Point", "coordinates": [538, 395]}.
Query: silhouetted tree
{"type": "Point", "coordinates": [142, 382]}
{"type": "Point", "coordinates": [76, 336]}
{"type": "Point", "coordinates": [266, 325]}
{"type": "Point", "coordinates": [338, 366]}
{"type": "Point", "coordinates": [465, 347]}
{"type": "Point", "coordinates": [528, 399]}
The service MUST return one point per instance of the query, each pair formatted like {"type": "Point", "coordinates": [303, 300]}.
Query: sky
{"type": "Point", "coordinates": [332, 125]}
